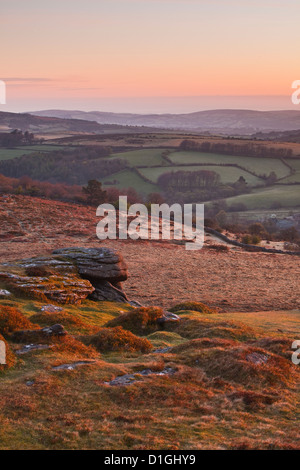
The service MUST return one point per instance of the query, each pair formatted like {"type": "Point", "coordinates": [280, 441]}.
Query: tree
{"type": "Point", "coordinates": [94, 193]}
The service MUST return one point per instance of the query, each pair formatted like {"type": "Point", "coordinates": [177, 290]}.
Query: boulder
{"type": "Point", "coordinates": [69, 275]}
{"type": "Point", "coordinates": [103, 267]}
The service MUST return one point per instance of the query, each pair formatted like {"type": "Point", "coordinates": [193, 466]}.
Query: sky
{"type": "Point", "coordinates": [149, 55]}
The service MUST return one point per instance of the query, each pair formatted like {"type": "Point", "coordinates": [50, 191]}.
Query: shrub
{"type": "Point", "coordinates": [72, 346]}
{"type": "Point", "coordinates": [141, 321]}
{"type": "Point", "coordinates": [251, 239]}
{"type": "Point", "coordinates": [11, 320]}
{"type": "Point", "coordinates": [194, 306]}
{"type": "Point", "coordinates": [117, 339]}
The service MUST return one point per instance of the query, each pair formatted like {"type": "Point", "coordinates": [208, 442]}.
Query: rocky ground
{"type": "Point", "coordinates": [160, 273]}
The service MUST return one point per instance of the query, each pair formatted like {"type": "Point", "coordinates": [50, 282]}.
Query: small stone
{"type": "Point", "coordinates": [4, 293]}
{"type": "Point", "coordinates": [51, 308]}
{"type": "Point", "coordinates": [257, 358]}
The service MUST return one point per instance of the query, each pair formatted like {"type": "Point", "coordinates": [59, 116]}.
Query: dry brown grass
{"type": "Point", "coordinates": [12, 319]}
{"type": "Point", "coordinates": [117, 339]}
{"type": "Point", "coordinates": [141, 321]}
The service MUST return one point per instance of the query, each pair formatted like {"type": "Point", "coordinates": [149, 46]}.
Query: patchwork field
{"type": "Point", "coordinates": [259, 166]}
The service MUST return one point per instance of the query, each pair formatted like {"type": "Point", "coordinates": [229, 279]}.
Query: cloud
{"type": "Point", "coordinates": [27, 79]}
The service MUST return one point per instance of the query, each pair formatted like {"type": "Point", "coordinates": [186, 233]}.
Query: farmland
{"type": "Point", "coordinates": [8, 154]}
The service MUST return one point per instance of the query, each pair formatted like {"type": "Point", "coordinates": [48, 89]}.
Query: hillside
{"type": "Point", "coordinates": [55, 126]}
{"type": "Point", "coordinates": [224, 121]}
{"type": "Point", "coordinates": [91, 374]}
{"type": "Point", "coordinates": [161, 272]}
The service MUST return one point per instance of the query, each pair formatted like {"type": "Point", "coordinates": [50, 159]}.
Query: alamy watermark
{"type": "Point", "coordinates": [186, 223]}
{"type": "Point", "coordinates": [2, 92]}
{"type": "Point", "coordinates": [296, 94]}
{"type": "Point", "coordinates": [296, 354]}
{"type": "Point", "coordinates": [2, 353]}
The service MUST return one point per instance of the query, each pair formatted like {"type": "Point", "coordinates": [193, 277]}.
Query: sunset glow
{"type": "Point", "coordinates": [86, 53]}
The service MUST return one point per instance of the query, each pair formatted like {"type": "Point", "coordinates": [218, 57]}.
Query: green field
{"type": "Point", "coordinates": [264, 198]}
{"type": "Point", "coordinates": [147, 157]}
{"type": "Point", "coordinates": [296, 177]}
{"type": "Point", "coordinates": [227, 174]}
{"type": "Point", "coordinates": [258, 165]}
{"type": "Point", "coordinates": [129, 179]}
{"type": "Point", "coordinates": [9, 154]}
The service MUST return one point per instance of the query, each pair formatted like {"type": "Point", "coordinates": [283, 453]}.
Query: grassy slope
{"type": "Point", "coordinates": [148, 157]}
{"type": "Point", "coordinates": [264, 198]}
{"type": "Point", "coordinates": [9, 154]}
{"type": "Point", "coordinates": [258, 165]}
{"type": "Point", "coordinates": [127, 179]}
{"type": "Point", "coordinates": [190, 410]}
{"type": "Point", "coordinates": [227, 174]}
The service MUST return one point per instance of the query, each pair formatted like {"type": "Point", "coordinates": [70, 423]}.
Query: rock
{"type": "Point", "coordinates": [73, 365]}
{"type": "Point", "coordinates": [162, 350]}
{"type": "Point", "coordinates": [128, 379]}
{"type": "Point", "coordinates": [257, 358]}
{"type": "Point", "coordinates": [168, 317]}
{"type": "Point", "coordinates": [34, 336]}
{"type": "Point", "coordinates": [69, 276]}
{"type": "Point", "coordinates": [103, 267]}
{"type": "Point", "coordinates": [59, 288]}
{"type": "Point", "coordinates": [106, 291]}
{"type": "Point", "coordinates": [51, 309]}
{"type": "Point", "coordinates": [135, 303]}
{"type": "Point", "coordinates": [101, 264]}
{"type": "Point", "coordinates": [32, 347]}
{"type": "Point", "coordinates": [4, 293]}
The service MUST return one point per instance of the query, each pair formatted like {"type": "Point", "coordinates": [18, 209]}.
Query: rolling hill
{"type": "Point", "coordinates": [224, 121]}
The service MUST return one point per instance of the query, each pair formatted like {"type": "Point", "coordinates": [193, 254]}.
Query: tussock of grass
{"type": "Point", "coordinates": [193, 306]}
{"type": "Point", "coordinates": [68, 320]}
{"type": "Point", "coordinates": [280, 346]}
{"type": "Point", "coordinates": [12, 319]}
{"type": "Point", "coordinates": [140, 321]}
{"type": "Point", "coordinates": [234, 364]}
{"type": "Point", "coordinates": [117, 339]}
{"type": "Point", "coordinates": [72, 346]}
{"type": "Point", "coordinates": [165, 339]}
{"type": "Point", "coordinates": [192, 327]}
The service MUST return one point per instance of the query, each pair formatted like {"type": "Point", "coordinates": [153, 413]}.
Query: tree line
{"type": "Point", "coordinates": [249, 149]}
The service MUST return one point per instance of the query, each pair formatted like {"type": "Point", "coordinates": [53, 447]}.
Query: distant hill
{"type": "Point", "coordinates": [224, 121]}
{"type": "Point", "coordinates": [286, 136]}
{"type": "Point", "coordinates": [51, 124]}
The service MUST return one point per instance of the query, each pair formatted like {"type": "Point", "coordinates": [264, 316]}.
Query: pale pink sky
{"type": "Point", "coordinates": [149, 55]}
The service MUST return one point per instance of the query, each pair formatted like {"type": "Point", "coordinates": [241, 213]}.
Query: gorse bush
{"type": "Point", "coordinates": [11, 320]}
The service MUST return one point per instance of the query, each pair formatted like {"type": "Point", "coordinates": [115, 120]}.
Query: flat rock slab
{"type": "Point", "coordinates": [128, 379]}
{"type": "Point", "coordinates": [73, 365]}
{"type": "Point", "coordinates": [33, 347]}
{"type": "Point", "coordinates": [102, 264]}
